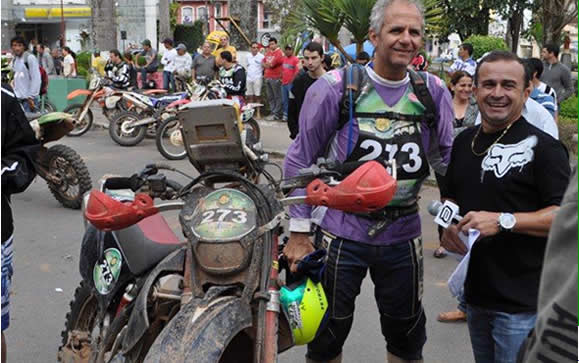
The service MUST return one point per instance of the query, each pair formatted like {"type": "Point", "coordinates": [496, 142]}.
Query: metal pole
{"type": "Point", "coordinates": [62, 27]}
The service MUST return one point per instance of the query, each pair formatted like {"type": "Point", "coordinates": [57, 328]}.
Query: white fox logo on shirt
{"type": "Point", "coordinates": [501, 158]}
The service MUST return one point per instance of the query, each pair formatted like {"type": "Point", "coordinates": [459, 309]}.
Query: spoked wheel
{"type": "Point", "coordinates": [82, 125]}
{"type": "Point", "coordinates": [170, 141]}
{"type": "Point", "coordinates": [68, 177]}
{"type": "Point", "coordinates": [49, 107]}
{"type": "Point", "coordinates": [83, 338]}
{"type": "Point", "coordinates": [121, 131]}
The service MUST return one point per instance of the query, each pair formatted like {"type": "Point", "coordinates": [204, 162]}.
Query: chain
{"type": "Point", "coordinates": [488, 148]}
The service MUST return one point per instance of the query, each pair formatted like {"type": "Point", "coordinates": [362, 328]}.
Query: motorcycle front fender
{"type": "Point", "coordinates": [139, 320]}
{"type": "Point", "coordinates": [201, 331]}
{"type": "Point", "coordinates": [77, 93]}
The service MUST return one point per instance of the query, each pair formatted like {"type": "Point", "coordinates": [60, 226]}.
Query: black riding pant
{"type": "Point", "coordinates": [397, 273]}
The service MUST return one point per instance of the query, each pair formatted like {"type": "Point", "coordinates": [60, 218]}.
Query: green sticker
{"type": "Point", "coordinates": [106, 273]}
{"type": "Point", "coordinates": [224, 215]}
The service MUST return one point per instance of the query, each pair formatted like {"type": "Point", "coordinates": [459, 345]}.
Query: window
{"type": "Point", "coordinates": [202, 13]}
{"type": "Point", "coordinates": [267, 22]}
{"type": "Point", "coordinates": [217, 11]}
{"type": "Point", "coordinates": [187, 15]}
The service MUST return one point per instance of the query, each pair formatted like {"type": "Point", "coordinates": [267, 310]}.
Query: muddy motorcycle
{"type": "Point", "coordinates": [63, 169]}
{"type": "Point", "coordinates": [213, 298]}
{"type": "Point", "coordinates": [99, 91]}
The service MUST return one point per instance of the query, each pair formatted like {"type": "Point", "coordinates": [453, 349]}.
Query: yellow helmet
{"type": "Point", "coordinates": [306, 306]}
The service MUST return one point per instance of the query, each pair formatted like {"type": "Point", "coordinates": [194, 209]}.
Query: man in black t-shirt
{"type": "Point", "coordinates": [508, 177]}
{"type": "Point", "coordinates": [313, 56]}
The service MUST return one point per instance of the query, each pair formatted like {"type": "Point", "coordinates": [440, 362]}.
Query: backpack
{"type": "Point", "coordinates": [43, 74]}
{"type": "Point", "coordinates": [355, 78]}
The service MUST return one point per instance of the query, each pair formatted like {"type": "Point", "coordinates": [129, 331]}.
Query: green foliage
{"type": "Point", "coordinates": [83, 60]}
{"type": "Point", "coordinates": [466, 17]}
{"type": "Point", "coordinates": [569, 108]}
{"type": "Point", "coordinates": [190, 35]}
{"type": "Point", "coordinates": [356, 15]}
{"type": "Point", "coordinates": [484, 43]}
{"type": "Point", "coordinates": [82, 72]}
{"type": "Point", "coordinates": [173, 11]}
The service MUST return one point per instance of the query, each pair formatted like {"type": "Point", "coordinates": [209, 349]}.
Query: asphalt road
{"type": "Point", "coordinates": [47, 245]}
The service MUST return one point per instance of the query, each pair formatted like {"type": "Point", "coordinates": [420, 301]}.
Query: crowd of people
{"type": "Point", "coordinates": [490, 136]}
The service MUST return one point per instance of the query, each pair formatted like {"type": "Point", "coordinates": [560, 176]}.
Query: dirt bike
{"type": "Point", "coordinates": [129, 128]}
{"type": "Point", "coordinates": [63, 169]}
{"type": "Point", "coordinates": [110, 100]}
{"type": "Point", "coordinates": [168, 139]}
{"type": "Point", "coordinates": [145, 297]}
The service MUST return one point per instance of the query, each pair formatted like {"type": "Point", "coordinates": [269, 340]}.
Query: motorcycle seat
{"type": "Point", "coordinates": [147, 243]}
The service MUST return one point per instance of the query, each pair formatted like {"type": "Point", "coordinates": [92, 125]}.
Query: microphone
{"type": "Point", "coordinates": [444, 213]}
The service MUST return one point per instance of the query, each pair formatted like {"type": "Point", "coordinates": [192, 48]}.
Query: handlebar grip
{"type": "Point", "coordinates": [118, 183]}
{"type": "Point", "coordinates": [174, 185]}
{"type": "Point", "coordinates": [346, 168]}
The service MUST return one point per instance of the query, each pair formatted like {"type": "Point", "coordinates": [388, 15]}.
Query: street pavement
{"type": "Point", "coordinates": [47, 246]}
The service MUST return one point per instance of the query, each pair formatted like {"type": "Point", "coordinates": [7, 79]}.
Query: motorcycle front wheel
{"type": "Point", "coordinates": [253, 127]}
{"type": "Point", "coordinates": [122, 133]}
{"type": "Point", "coordinates": [82, 125]}
{"type": "Point", "coordinates": [170, 141]}
{"type": "Point", "coordinates": [70, 174]}
{"type": "Point", "coordinates": [82, 338]}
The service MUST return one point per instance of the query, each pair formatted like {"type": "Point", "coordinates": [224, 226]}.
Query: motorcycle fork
{"type": "Point", "coordinates": [272, 308]}
{"type": "Point", "coordinates": [86, 106]}
{"type": "Point", "coordinates": [187, 277]}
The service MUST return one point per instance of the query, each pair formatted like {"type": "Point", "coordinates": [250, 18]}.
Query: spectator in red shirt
{"type": "Point", "coordinates": [273, 68]}
{"type": "Point", "coordinates": [290, 67]}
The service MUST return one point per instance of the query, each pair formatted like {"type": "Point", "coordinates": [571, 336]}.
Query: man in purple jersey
{"type": "Point", "coordinates": [388, 124]}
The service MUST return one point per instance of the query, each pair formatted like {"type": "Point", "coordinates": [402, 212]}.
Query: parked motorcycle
{"type": "Point", "coordinates": [99, 90]}
{"type": "Point", "coordinates": [145, 297]}
{"type": "Point", "coordinates": [168, 139]}
{"type": "Point", "coordinates": [129, 128]}
{"type": "Point", "coordinates": [63, 169]}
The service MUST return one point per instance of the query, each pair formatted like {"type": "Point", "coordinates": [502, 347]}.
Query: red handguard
{"type": "Point", "coordinates": [367, 189]}
{"type": "Point", "coordinates": [108, 214]}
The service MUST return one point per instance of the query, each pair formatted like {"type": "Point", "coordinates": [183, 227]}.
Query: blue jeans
{"type": "Point", "coordinates": [461, 301]}
{"type": "Point", "coordinates": [168, 80]}
{"type": "Point", "coordinates": [496, 336]}
{"type": "Point", "coordinates": [285, 91]}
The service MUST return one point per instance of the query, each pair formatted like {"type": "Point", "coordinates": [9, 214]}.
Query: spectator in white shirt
{"type": "Point", "coordinates": [254, 74]}
{"type": "Point", "coordinates": [183, 64]}
{"type": "Point", "coordinates": [168, 64]}
{"type": "Point", "coordinates": [27, 79]}
{"type": "Point", "coordinates": [68, 64]}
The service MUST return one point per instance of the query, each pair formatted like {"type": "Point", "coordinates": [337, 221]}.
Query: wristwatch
{"type": "Point", "coordinates": [506, 222]}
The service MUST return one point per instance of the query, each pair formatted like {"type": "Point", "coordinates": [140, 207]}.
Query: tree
{"type": "Point", "coordinates": [555, 14]}
{"type": "Point", "coordinates": [245, 14]}
{"type": "Point", "coordinates": [164, 20]}
{"type": "Point", "coordinates": [104, 27]}
{"type": "Point", "coordinates": [512, 11]}
{"type": "Point", "coordinates": [466, 17]}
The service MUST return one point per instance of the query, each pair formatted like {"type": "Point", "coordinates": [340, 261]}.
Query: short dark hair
{"type": "Point", "coordinates": [552, 48]}
{"type": "Point", "coordinates": [456, 76]}
{"type": "Point", "coordinates": [363, 56]}
{"type": "Point", "coordinates": [468, 47]}
{"type": "Point", "coordinates": [115, 52]}
{"type": "Point", "coordinates": [168, 41]}
{"type": "Point", "coordinates": [254, 42]}
{"type": "Point", "coordinates": [128, 56]}
{"type": "Point", "coordinates": [40, 45]}
{"type": "Point", "coordinates": [503, 55]}
{"type": "Point", "coordinates": [226, 55]}
{"type": "Point", "coordinates": [18, 40]}
{"type": "Point", "coordinates": [535, 65]}
{"type": "Point", "coordinates": [289, 47]}
{"type": "Point", "coordinates": [315, 47]}
{"type": "Point", "coordinates": [272, 39]}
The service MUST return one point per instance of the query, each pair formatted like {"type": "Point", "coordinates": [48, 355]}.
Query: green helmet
{"type": "Point", "coordinates": [306, 306]}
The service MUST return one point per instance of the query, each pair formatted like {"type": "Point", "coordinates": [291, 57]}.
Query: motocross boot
{"type": "Point", "coordinates": [391, 358]}
{"type": "Point", "coordinates": [338, 359]}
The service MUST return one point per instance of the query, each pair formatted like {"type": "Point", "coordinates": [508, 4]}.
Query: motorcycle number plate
{"type": "Point", "coordinates": [224, 215]}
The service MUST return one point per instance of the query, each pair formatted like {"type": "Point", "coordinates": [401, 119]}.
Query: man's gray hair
{"type": "Point", "coordinates": [379, 11]}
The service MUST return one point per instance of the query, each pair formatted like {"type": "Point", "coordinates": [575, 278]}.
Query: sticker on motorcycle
{"type": "Point", "coordinates": [224, 215]}
{"type": "Point", "coordinates": [107, 271]}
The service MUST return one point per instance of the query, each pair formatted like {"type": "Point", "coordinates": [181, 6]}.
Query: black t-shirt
{"type": "Point", "coordinates": [300, 85]}
{"type": "Point", "coordinates": [526, 170]}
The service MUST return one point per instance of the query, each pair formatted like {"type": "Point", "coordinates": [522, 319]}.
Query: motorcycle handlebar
{"type": "Point", "coordinates": [119, 183]}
